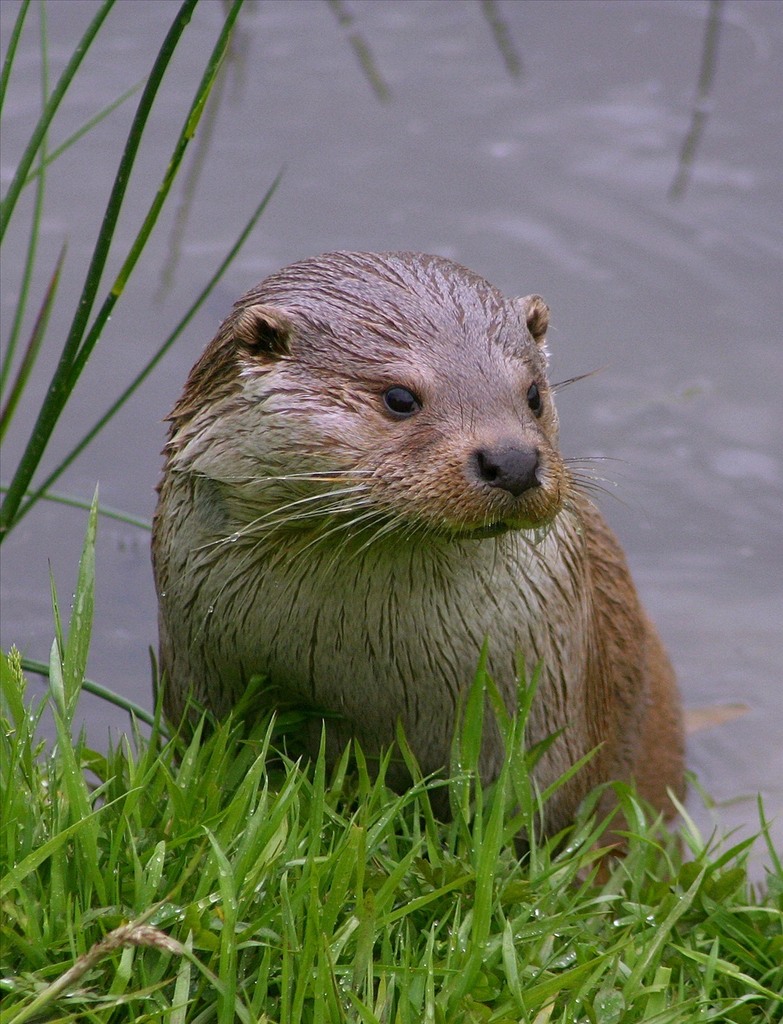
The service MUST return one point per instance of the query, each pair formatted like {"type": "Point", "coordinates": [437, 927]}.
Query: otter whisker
{"type": "Point", "coordinates": [394, 524]}
{"type": "Point", "coordinates": [590, 482]}
{"type": "Point", "coordinates": [372, 524]}
{"type": "Point", "coordinates": [322, 512]}
{"type": "Point", "coordinates": [278, 516]}
{"type": "Point", "coordinates": [596, 486]}
{"type": "Point", "coordinates": [559, 385]}
{"type": "Point", "coordinates": [578, 461]}
{"type": "Point", "coordinates": [324, 476]}
{"type": "Point", "coordinates": [344, 529]}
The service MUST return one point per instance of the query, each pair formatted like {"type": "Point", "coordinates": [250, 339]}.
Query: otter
{"type": "Point", "coordinates": [363, 483]}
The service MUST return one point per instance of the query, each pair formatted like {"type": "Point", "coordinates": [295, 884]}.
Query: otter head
{"type": "Point", "coordinates": [391, 394]}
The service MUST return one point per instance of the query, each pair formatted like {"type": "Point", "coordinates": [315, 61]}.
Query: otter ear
{"type": "Point", "coordinates": [536, 314]}
{"type": "Point", "coordinates": [262, 330]}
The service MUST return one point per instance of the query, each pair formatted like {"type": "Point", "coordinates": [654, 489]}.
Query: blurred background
{"type": "Point", "coordinates": [622, 158]}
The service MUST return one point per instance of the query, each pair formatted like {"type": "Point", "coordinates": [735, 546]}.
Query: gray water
{"type": "Point", "coordinates": [555, 167]}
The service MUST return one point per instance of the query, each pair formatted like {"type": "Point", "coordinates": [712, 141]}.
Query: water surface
{"type": "Point", "coordinates": [555, 168]}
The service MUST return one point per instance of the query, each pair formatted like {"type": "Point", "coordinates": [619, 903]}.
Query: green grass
{"type": "Point", "coordinates": [218, 879]}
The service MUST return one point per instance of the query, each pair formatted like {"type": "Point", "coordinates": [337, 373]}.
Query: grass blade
{"type": "Point", "coordinates": [77, 646]}
{"type": "Point", "coordinates": [663, 932]}
{"type": "Point", "coordinates": [103, 510]}
{"type": "Point", "coordinates": [40, 669]}
{"type": "Point", "coordinates": [128, 935]}
{"type": "Point", "coordinates": [228, 943]}
{"type": "Point", "coordinates": [63, 379]}
{"type": "Point", "coordinates": [184, 139]}
{"type": "Point", "coordinates": [13, 42]}
{"type": "Point", "coordinates": [32, 349]}
{"type": "Point", "coordinates": [88, 125]}
{"type": "Point", "coordinates": [23, 168]}
{"type": "Point", "coordinates": [13, 879]}
{"type": "Point", "coordinates": [35, 225]}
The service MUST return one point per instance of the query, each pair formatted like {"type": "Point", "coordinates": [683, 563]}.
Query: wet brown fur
{"type": "Point", "coordinates": [357, 559]}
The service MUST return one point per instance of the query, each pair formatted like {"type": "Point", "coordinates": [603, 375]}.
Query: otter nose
{"type": "Point", "coordinates": [510, 467]}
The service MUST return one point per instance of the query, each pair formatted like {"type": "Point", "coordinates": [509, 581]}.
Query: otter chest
{"type": "Point", "coordinates": [396, 633]}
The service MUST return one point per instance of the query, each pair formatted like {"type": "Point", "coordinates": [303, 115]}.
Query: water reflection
{"type": "Point", "coordinates": [701, 104]}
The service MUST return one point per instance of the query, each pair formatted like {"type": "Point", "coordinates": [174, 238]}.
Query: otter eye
{"type": "Point", "coordinates": [534, 400]}
{"type": "Point", "coordinates": [401, 402]}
